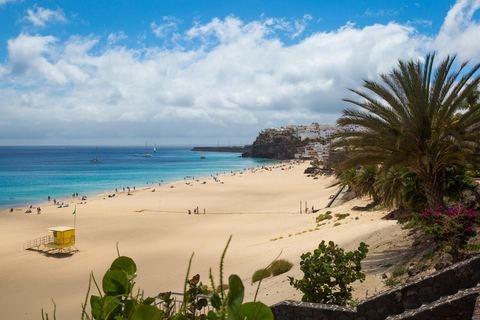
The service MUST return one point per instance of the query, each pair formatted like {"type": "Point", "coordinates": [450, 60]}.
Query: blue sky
{"type": "Point", "coordinates": [199, 72]}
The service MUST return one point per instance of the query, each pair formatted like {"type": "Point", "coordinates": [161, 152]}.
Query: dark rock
{"type": "Point", "coordinates": [280, 146]}
{"type": "Point", "coordinates": [412, 272]}
{"type": "Point", "coordinates": [443, 311]}
{"type": "Point", "coordinates": [416, 242]}
{"type": "Point", "coordinates": [373, 315]}
{"type": "Point", "coordinates": [310, 170]}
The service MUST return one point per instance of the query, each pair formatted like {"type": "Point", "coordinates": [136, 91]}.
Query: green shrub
{"type": "Point", "coordinates": [411, 224]}
{"type": "Point", "coordinates": [399, 271]}
{"type": "Point", "coordinates": [341, 216]}
{"type": "Point", "coordinates": [261, 274]}
{"type": "Point", "coordinates": [337, 224]}
{"type": "Point", "coordinates": [328, 273]}
{"type": "Point", "coordinates": [392, 281]}
{"type": "Point", "coordinates": [280, 266]}
{"type": "Point", "coordinates": [326, 216]}
{"type": "Point", "coordinates": [451, 229]}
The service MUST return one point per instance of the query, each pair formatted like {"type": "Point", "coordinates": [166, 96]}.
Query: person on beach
{"type": "Point", "coordinates": [54, 201]}
{"type": "Point", "coordinates": [39, 210]}
{"type": "Point", "coordinates": [48, 198]}
{"type": "Point", "coordinates": [11, 210]}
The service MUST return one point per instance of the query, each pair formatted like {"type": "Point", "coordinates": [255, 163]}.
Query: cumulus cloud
{"type": "Point", "coordinates": [40, 16]}
{"type": "Point", "coordinates": [238, 78]}
{"type": "Point", "coordinates": [459, 32]}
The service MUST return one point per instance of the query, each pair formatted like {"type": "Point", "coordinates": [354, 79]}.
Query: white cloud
{"type": "Point", "coordinates": [239, 77]}
{"type": "Point", "coordinates": [115, 37]}
{"type": "Point", "coordinates": [460, 33]}
{"type": "Point", "coordinates": [164, 29]}
{"type": "Point", "coordinates": [40, 16]}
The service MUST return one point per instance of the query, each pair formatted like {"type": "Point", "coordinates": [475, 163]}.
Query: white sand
{"type": "Point", "coordinates": [154, 229]}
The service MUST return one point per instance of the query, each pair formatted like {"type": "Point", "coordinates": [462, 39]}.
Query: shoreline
{"type": "Point", "coordinates": [259, 208]}
{"type": "Point", "coordinates": [60, 172]}
{"type": "Point", "coordinates": [140, 188]}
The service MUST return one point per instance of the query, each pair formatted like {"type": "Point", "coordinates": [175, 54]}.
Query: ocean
{"type": "Point", "coordinates": [28, 175]}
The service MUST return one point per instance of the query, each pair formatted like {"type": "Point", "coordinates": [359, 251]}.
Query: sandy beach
{"type": "Point", "coordinates": [259, 208]}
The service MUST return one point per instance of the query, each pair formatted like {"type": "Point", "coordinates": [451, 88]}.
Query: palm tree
{"type": "Point", "coordinates": [416, 121]}
{"type": "Point", "coordinates": [390, 187]}
{"type": "Point", "coordinates": [349, 178]}
{"type": "Point", "coordinates": [366, 182]}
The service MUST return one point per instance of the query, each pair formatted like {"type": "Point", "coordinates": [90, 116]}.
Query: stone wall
{"type": "Point", "coordinates": [452, 290]}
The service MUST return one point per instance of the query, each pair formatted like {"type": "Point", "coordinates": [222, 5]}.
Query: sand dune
{"type": "Point", "coordinates": [260, 209]}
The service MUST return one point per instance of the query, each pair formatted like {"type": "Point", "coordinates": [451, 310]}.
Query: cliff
{"type": "Point", "coordinates": [279, 146]}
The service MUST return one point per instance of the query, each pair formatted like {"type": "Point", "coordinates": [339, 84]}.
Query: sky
{"type": "Point", "coordinates": [205, 73]}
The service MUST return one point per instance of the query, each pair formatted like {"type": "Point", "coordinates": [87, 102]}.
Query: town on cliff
{"type": "Point", "coordinates": [299, 142]}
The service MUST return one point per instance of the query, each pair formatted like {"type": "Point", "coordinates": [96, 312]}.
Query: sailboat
{"type": "Point", "coordinates": [154, 148]}
{"type": "Point", "coordinates": [146, 154]}
{"type": "Point", "coordinates": [96, 159]}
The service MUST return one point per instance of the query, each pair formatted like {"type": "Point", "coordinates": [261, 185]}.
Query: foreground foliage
{"type": "Point", "coordinates": [328, 273]}
{"type": "Point", "coordinates": [116, 301]}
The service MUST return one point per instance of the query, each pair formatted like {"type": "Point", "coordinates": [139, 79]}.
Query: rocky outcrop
{"type": "Point", "coordinates": [280, 146]}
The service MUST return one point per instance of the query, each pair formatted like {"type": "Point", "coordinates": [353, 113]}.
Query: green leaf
{"type": "Point", "coordinates": [130, 306]}
{"type": "Point", "coordinates": [202, 303]}
{"type": "Point", "coordinates": [255, 311]}
{"type": "Point", "coordinates": [235, 296]}
{"type": "Point", "coordinates": [102, 308]}
{"type": "Point", "coordinates": [215, 300]}
{"type": "Point", "coordinates": [115, 282]}
{"type": "Point", "coordinates": [96, 306]}
{"type": "Point", "coordinates": [124, 264]}
{"type": "Point", "coordinates": [148, 301]}
{"type": "Point", "coordinates": [212, 316]}
{"type": "Point", "coordinates": [147, 313]}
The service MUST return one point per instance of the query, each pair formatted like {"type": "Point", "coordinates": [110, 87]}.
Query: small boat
{"type": "Point", "coordinates": [154, 149]}
{"type": "Point", "coordinates": [135, 155]}
{"type": "Point", "coordinates": [96, 159]}
{"type": "Point", "coordinates": [146, 154]}
{"type": "Point", "coordinates": [203, 157]}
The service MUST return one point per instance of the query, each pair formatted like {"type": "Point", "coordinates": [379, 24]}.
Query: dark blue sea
{"type": "Point", "coordinates": [28, 175]}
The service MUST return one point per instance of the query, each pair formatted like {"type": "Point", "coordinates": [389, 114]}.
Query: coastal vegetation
{"type": "Point", "coordinates": [417, 119]}
{"type": "Point", "coordinates": [116, 300]}
{"type": "Point", "coordinates": [261, 274]}
{"type": "Point", "coordinates": [276, 268]}
{"type": "Point", "coordinates": [329, 272]}
{"type": "Point", "coordinates": [280, 266]}
{"type": "Point", "coordinates": [420, 147]}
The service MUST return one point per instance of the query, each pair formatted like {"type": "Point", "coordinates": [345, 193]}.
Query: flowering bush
{"type": "Point", "coordinates": [451, 228]}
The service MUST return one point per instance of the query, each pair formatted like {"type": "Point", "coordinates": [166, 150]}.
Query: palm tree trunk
{"type": "Point", "coordinates": [432, 186]}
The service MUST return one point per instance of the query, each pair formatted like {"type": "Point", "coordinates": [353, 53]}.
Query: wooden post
{"type": "Point", "coordinates": [300, 206]}
{"type": "Point", "coordinates": [306, 207]}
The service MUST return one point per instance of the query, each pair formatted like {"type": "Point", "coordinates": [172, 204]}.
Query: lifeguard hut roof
{"type": "Point", "coordinates": [59, 229]}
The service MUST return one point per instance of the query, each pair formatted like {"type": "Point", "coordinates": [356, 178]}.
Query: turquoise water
{"type": "Point", "coordinates": [28, 175]}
